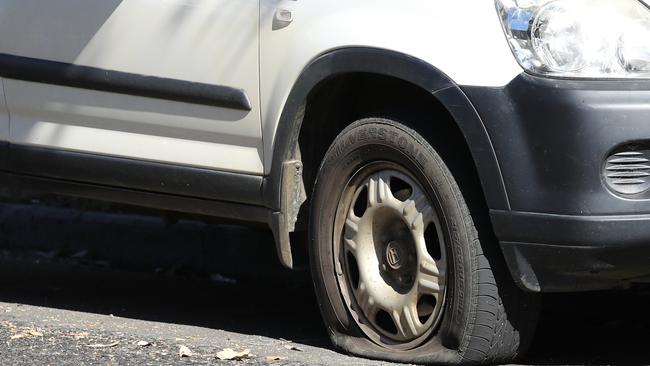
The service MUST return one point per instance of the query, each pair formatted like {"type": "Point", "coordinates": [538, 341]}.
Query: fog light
{"type": "Point", "coordinates": [628, 171]}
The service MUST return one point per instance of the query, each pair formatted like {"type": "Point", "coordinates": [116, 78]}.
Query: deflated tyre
{"type": "Point", "coordinates": [399, 270]}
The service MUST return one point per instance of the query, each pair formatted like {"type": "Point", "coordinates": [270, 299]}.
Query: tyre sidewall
{"type": "Point", "coordinates": [361, 143]}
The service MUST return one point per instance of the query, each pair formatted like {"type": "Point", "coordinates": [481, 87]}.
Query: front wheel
{"type": "Point", "coordinates": [399, 271]}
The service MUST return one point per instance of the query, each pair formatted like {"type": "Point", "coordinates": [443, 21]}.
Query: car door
{"type": "Point", "coordinates": [164, 81]}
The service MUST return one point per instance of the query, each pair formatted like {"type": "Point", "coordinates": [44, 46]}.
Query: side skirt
{"type": "Point", "coordinates": [226, 210]}
{"type": "Point", "coordinates": [149, 184]}
{"type": "Point", "coordinates": [135, 174]}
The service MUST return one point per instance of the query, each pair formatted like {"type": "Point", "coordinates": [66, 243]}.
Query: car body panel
{"type": "Point", "coordinates": [418, 28]}
{"type": "Point", "coordinates": [213, 42]}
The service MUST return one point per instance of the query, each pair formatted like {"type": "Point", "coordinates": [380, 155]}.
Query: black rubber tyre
{"type": "Point", "coordinates": [486, 319]}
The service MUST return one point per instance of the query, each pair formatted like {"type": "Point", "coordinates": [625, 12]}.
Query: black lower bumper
{"type": "Point", "coordinates": [555, 253]}
{"type": "Point", "coordinates": [566, 229]}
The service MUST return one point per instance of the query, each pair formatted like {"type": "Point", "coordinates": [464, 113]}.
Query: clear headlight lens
{"type": "Point", "coordinates": [579, 38]}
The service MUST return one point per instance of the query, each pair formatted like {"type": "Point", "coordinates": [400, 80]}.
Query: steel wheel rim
{"type": "Point", "coordinates": [383, 260]}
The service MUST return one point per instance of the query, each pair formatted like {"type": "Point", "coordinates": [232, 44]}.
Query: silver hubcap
{"type": "Point", "coordinates": [392, 256]}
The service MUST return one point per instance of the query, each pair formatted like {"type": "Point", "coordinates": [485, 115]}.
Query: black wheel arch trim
{"type": "Point", "coordinates": [387, 63]}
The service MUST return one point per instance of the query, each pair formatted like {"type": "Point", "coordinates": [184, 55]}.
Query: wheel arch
{"type": "Point", "coordinates": [282, 192]}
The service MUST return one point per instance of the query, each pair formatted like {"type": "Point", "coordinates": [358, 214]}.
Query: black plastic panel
{"type": "Point", "coordinates": [4, 155]}
{"type": "Point", "coordinates": [627, 170]}
{"type": "Point", "coordinates": [403, 67]}
{"type": "Point", "coordinates": [136, 174]}
{"type": "Point", "coordinates": [552, 138]}
{"type": "Point", "coordinates": [58, 73]}
{"type": "Point", "coordinates": [556, 253]}
{"type": "Point", "coordinates": [226, 210]}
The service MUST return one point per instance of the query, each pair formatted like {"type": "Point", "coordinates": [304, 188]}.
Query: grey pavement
{"type": "Point", "coordinates": [80, 287]}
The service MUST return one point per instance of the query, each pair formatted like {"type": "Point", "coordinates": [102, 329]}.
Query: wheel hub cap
{"type": "Point", "coordinates": [394, 255]}
{"type": "Point", "coordinates": [395, 283]}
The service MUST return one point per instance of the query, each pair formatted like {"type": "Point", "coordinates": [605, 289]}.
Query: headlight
{"type": "Point", "coordinates": [579, 38]}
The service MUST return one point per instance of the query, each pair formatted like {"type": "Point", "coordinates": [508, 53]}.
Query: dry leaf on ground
{"type": "Point", "coordinates": [230, 354]}
{"type": "Point", "coordinates": [102, 345]}
{"type": "Point", "coordinates": [184, 351]}
{"type": "Point", "coordinates": [26, 333]}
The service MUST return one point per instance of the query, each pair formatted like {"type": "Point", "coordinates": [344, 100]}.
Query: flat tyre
{"type": "Point", "coordinates": [399, 271]}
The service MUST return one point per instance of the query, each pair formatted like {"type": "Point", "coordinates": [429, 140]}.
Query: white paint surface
{"type": "Point", "coordinates": [222, 42]}
{"type": "Point", "coordinates": [208, 41]}
{"type": "Point", "coordinates": [462, 38]}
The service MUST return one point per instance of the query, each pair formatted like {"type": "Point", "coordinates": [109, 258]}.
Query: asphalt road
{"type": "Point", "coordinates": [82, 287]}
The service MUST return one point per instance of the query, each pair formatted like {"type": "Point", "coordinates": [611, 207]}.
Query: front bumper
{"type": "Point", "coordinates": [566, 230]}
